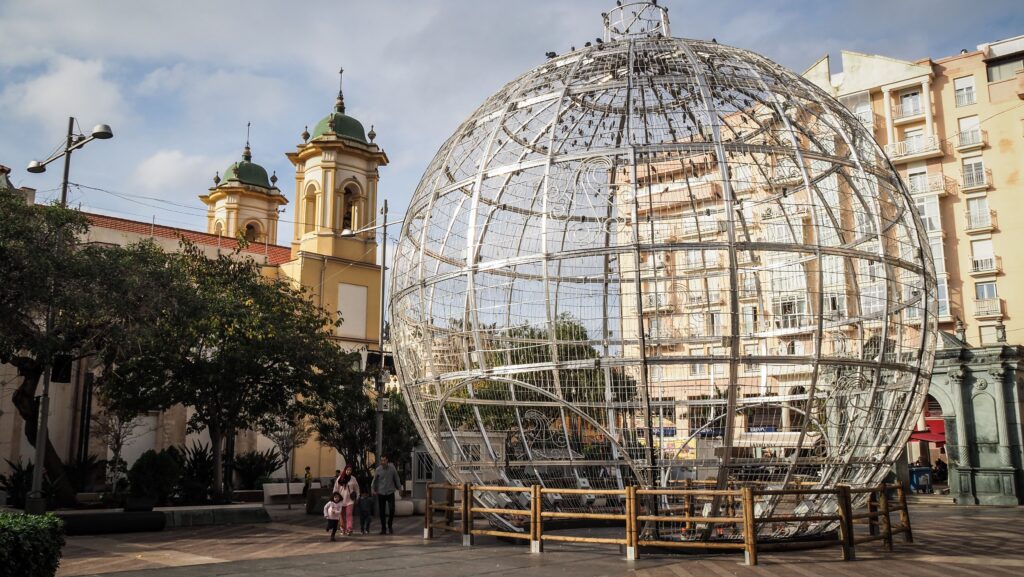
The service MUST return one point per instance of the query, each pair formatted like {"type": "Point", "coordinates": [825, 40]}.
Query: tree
{"type": "Point", "coordinates": [100, 299]}
{"type": "Point", "coordinates": [287, 431]}
{"type": "Point", "coordinates": [115, 430]}
{"type": "Point", "coordinates": [236, 348]}
{"type": "Point", "coordinates": [344, 419]}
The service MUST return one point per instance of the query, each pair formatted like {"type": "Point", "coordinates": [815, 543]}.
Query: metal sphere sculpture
{"type": "Point", "coordinates": [660, 261]}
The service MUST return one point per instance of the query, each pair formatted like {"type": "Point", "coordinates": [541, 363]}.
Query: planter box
{"type": "Point", "coordinates": [248, 496]}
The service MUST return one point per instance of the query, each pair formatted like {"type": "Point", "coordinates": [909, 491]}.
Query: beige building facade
{"type": "Point", "coordinates": [954, 129]}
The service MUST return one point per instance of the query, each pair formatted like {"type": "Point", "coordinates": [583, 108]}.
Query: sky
{"type": "Point", "coordinates": [178, 81]}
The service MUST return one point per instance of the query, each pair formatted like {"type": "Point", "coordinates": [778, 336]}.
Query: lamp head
{"type": "Point", "coordinates": [346, 232]}
{"type": "Point", "coordinates": [36, 167]}
{"type": "Point", "coordinates": [102, 132]}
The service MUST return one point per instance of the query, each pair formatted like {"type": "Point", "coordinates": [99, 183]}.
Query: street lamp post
{"type": "Point", "coordinates": [35, 503]}
{"type": "Point", "coordinates": [379, 378]}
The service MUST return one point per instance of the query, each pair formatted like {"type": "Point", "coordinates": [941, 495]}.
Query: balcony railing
{"type": "Point", "coordinates": [981, 220]}
{"type": "Point", "coordinates": [866, 117]}
{"type": "Point", "coordinates": [988, 307]}
{"type": "Point", "coordinates": [986, 264]}
{"type": "Point", "coordinates": [904, 149]}
{"type": "Point", "coordinates": [935, 183]}
{"type": "Point", "coordinates": [704, 298]}
{"type": "Point", "coordinates": [973, 138]}
{"type": "Point", "coordinates": [965, 97]}
{"type": "Point", "coordinates": [907, 110]}
{"type": "Point", "coordinates": [973, 179]}
{"type": "Point", "coordinates": [657, 301]}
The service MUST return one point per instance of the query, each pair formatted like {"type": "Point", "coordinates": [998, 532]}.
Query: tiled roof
{"type": "Point", "coordinates": [275, 254]}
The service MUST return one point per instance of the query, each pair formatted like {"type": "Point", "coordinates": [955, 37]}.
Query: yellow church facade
{"type": "Point", "coordinates": [332, 255]}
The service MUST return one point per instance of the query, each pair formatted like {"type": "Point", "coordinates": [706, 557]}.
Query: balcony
{"type": "Point", "coordinates": [868, 119]}
{"type": "Point", "coordinates": [975, 180]}
{"type": "Point", "coordinates": [918, 148]}
{"type": "Point", "coordinates": [965, 97]}
{"type": "Point", "coordinates": [979, 221]}
{"type": "Point", "coordinates": [986, 266]}
{"type": "Point", "coordinates": [660, 301]}
{"type": "Point", "coordinates": [988, 308]}
{"type": "Point", "coordinates": [701, 298]}
{"type": "Point", "coordinates": [972, 139]}
{"type": "Point", "coordinates": [934, 184]}
{"type": "Point", "coordinates": [908, 111]}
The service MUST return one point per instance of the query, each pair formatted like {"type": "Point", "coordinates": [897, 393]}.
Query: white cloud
{"type": "Point", "coordinates": [177, 174]}
{"type": "Point", "coordinates": [68, 86]}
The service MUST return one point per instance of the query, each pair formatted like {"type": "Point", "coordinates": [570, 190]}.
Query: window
{"type": "Point", "coordinates": [917, 180]}
{"type": "Point", "coordinates": [790, 311]}
{"type": "Point", "coordinates": [748, 364]}
{"type": "Point", "coordinates": [982, 255]}
{"type": "Point", "coordinates": [697, 368]}
{"type": "Point", "coordinates": [1006, 69]}
{"type": "Point", "coordinates": [872, 299]}
{"type": "Point", "coordinates": [964, 87]}
{"type": "Point", "coordinates": [985, 290]}
{"type": "Point", "coordinates": [695, 324]}
{"type": "Point", "coordinates": [914, 140]}
{"type": "Point", "coordinates": [764, 418]}
{"type": "Point", "coordinates": [970, 132]}
{"type": "Point", "coordinates": [749, 319]}
{"type": "Point", "coordinates": [928, 208]}
{"type": "Point", "coordinates": [974, 171]}
{"type": "Point", "coordinates": [943, 297]}
{"type": "Point", "coordinates": [910, 103]}
{"type": "Point", "coordinates": [719, 366]}
{"type": "Point", "coordinates": [835, 305]}
{"type": "Point", "coordinates": [790, 348]}
{"type": "Point", "coordinates": [938, 255]}
{"type": "Point", "coordinates": [978, 214]}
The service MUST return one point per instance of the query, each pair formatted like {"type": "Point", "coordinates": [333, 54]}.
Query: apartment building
{"type": "Point", "coordinates": [954, 129]}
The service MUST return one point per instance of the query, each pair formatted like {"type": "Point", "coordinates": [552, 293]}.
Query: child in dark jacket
{"type": "Point", "coordinates": [364, 508]}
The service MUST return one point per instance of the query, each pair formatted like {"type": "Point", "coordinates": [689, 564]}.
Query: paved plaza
{"type": "Point", "coordinates": [983, 541]}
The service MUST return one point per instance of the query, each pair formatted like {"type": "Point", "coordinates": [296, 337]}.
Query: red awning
{"type": "Point", "coordinates": [937, 438]}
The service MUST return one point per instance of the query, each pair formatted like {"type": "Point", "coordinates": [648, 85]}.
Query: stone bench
{"type": "Point", "coordinates": [281, 490]}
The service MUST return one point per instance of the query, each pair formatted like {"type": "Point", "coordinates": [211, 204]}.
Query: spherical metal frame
{"type": "Point", "coordinates": [659, 261]}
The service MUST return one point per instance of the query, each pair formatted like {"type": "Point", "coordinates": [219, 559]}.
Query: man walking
{"type": "Point", "coordinates": [385, 483]}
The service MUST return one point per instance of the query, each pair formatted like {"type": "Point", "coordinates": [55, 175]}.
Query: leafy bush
{"type": "Point", "coordinates": [30, 545]}
{"type": "Point", "coordinates": [83, 473]}
{"type": "Point", "coordinates": [18, 484]}
{"type": "Point", "coordinates": [196, 473]}
{"type": "Point", "coordinates": [255, 465]}
{"type": "Point", "coordinates": [154, 475]}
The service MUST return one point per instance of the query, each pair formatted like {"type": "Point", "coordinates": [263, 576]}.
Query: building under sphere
{"type": "Point", "coordinates": [661, 261]}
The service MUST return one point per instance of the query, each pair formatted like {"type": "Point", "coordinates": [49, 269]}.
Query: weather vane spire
{"type": "Point", "coordinates": [247, 153]}
{"type": "Point", "coordinates": [339, 105]}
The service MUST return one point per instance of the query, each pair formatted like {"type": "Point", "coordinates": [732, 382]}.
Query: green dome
{"type": "Point", "coordinates": [342, 125]}
{"type": "Point", "coordinates": [247, 172]}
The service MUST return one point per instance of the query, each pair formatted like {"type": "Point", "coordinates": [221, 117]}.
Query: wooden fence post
{"type": "Point", "coordinates": [631, 530]}
{"type": "Point", "coordinates": [749, 526]}
{"type": "Point", "coordinates": [886, 522]}
{"type": "Point", "coordinates": [688, 505]}
{"type": "Point", "coordinates": [872, 520]}
{"type": "Point", "coordinates": [449, 514]}
{"type": "Point", "coordinates": [845, 511]}
{"type": "Point", "coordinates": [901, 494]}
{"type": "Point", "coordinates": [428, 515]}
{"type": "Point", "coordinates": [467, 514]}
{"type": "Point", "coordinates": [539, 518]}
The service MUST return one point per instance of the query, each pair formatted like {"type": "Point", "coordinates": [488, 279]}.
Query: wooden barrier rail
{"type": "Point", "coordinates": [736, 511]}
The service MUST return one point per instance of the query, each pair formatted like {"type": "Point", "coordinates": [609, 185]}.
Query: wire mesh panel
{"type": "Point", "coordinates": [660, 261]}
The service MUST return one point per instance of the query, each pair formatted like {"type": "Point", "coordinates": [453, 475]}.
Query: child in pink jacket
{"type": "Point", "coordinates": [332, 512]}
